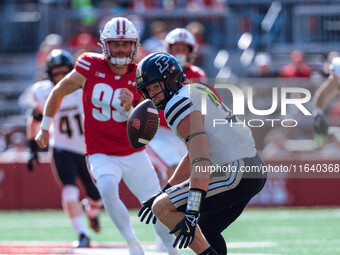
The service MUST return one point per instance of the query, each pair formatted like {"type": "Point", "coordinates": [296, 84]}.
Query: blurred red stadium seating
{"type": "Point", "coordinates": [20, 189]}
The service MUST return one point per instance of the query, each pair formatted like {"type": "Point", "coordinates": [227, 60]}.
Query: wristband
{"type": "Point", "coordinates": [196, 160]}
{"type": "Point", "coordinates": [193, 135]}
{"type": "Point", "coordinates": [195, 199]}
{"type": "Point", "coordinates": [32, 144]}
{"type": "Point", "coordinates": [46, 123]}
{"type": "Point", "coordinates": [129, 111]}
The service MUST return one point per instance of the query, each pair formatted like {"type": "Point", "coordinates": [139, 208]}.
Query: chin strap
{"type": "Point", "coordinates": [120, 61]}
{"type": "Point", "coordinates": [161, 105]}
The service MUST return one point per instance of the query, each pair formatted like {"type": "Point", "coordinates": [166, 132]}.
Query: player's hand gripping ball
{"type": "Point", "coordinates": [142, 124]}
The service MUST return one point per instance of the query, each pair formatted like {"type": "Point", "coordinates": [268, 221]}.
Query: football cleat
{"type": "Point", "coordinates": [136, 250]}
{"type": "Point", "coordinates": [83, 242]}
{"type": "Point", "coordinates": [95, 224]}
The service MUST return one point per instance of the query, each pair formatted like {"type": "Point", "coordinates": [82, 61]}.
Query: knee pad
{"type": "Point", "coordinates": [70, 193]}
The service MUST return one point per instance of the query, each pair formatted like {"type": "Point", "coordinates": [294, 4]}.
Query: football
{"type": "Point", "coordinates": [142, 124]}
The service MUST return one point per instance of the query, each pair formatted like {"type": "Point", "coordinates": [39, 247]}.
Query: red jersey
{"type": "Point", "coordinates": [105, 119]}
{"type": "Point", "coordinates": [193, 74]}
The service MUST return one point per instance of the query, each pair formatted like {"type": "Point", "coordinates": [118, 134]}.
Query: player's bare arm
{"type": "Point", "coordinates": [32, 127]}
{"type": "Point", "coordinates": [70, 83]}
{"type": "Point", "coordinates": [181, 173]}
{"type": "Point", "coordinates": [73, 81]}
{"type": "Point", "coordinates": [198, 148]}
{"type": "Point", "coordinates": [33, 124]}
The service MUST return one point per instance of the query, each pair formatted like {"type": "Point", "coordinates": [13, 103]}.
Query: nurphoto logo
{"type": "Point", "coordinates": [241, 98]}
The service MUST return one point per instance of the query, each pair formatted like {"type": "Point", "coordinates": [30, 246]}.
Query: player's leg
{"type": "Point", "coordinates": [235, 198]}
{"type": "Point", "coordinates": [169, 215]}
{"type": "Point", "coordinates": [92, 203]}
{"type": "Point", "coordinates": [214, 223]}
{"type": "Point", "coordinates": [107, 172]}
{"type": "Point", "coordinates": [141, 179]}
{"type": "Point", "coordinates": [225, 190]}
{"type": "Point", "coordinates": [65, 171]}
{"type": "Point", "coordinates": [209, 236]}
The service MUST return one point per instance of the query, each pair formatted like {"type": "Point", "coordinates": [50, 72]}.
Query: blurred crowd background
{"type": "Point", "coordinates": [249, 43]}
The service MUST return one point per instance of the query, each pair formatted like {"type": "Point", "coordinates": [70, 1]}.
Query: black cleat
{"type": "Point", "coordinates": [83, 242]}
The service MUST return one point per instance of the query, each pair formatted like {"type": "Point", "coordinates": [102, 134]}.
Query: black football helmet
{"type": "Point", "coordinates": [58, 58]}
{"type": "Point", "coordinates": [158, 67]}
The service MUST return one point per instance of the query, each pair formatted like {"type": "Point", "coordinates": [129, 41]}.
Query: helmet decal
{"type": "Point", "coordinates": [156, 68]}
{"type": "Point", "coordinates": [123, 31]}
{"type": "Point", "coordinates": [163, 63]}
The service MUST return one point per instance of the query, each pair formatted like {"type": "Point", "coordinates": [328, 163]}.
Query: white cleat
{"type": "Point", "coordinates": [136, 250]}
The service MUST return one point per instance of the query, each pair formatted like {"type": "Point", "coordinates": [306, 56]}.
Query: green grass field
{"type": "Point", "coordinates": [298, 231]}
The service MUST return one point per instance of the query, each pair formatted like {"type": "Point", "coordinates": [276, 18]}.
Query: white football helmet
{"type": "Point", "coordinates": [182, 35]}
{"type": "Point", "coordinates": [119, 29]}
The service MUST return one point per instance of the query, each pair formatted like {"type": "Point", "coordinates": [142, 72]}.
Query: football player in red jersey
{"type": "Point", "coordinates": [109, 95]}
{"type": "Point", "coordinates": [165, 149]}
{"type": "Point", "coordinates": [181, 43]}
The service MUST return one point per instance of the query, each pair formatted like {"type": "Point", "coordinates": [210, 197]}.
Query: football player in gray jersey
{"type": "Point", "coordinates": [221, 171]}
{"type": "Point", "coordinates": [67, 147]}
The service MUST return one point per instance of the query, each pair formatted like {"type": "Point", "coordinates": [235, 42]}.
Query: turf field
{"type": "Point", "coordinates": [257, 231]}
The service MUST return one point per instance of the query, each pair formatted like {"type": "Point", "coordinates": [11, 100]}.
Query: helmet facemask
{"type": "Point", "coordinates": [183, 59]}
{"type": "Point", "coordinates": [160, 105]}
{"type": "Point", "coordinates": [119, 62]}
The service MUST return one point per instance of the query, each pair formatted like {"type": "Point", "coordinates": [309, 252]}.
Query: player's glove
{"type": "Point", "coordinates": [320, 125]}
{"type": "Point", "coordinates": [187, 229]}
{"type": "Point", "coordinates": [34, 154]}
{"type": "Point", "coordinates": [146, 212]}
{"type": "Point", "coordinates": [187, 226]}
